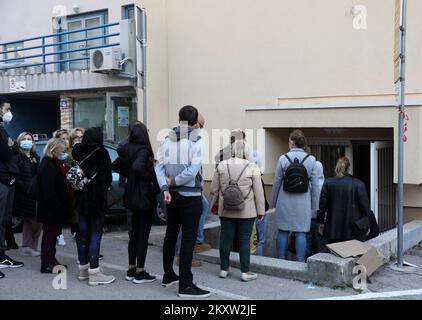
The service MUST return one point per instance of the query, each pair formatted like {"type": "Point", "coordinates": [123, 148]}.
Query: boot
{"type": "Point", "coordinates": [96, 277]}
{"type": "Point", "coordinates": [195, 262]}
{"type": "Point", "coordinates": [201, 247]}
{"type": "Point", "coordinates": [83, 272]}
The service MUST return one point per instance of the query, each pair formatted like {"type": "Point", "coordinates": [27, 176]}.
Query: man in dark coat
{"type": "Point", "coordinates": [8, 173]}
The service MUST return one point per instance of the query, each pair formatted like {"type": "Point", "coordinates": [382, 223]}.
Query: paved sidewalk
{"type": "Point", "coordinates": [29, 283]}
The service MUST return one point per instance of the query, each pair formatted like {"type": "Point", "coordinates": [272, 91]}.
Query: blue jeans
{"type": "Point", "coordinates": [282, 242]}
{"type": "Point", "coordinates": [200, 237]}
{"type": "Point", "coordinates": [260, 229]}
{"type": "Point", "coordinates": [88, 239]}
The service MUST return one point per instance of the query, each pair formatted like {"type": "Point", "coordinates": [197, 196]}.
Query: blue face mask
{"type": "Point", "coordinates": [63, 157]}
{"type": "Point", "coordinates": [26, 144]}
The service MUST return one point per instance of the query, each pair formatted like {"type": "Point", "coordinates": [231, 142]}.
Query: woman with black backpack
{"type": "Point", "coordinates": [136, 162]}
{"type": "Point", "coordinates": [91, 204]}
{"type": "Point", "coordinates": [294, 194]}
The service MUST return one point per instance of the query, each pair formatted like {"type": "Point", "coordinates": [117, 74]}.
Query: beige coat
{"type": "Point", "coordinates": [251, 178]}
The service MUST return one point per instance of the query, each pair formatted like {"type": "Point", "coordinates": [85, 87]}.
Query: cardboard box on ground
{"type": "Point", "coordinates": [370, 258]}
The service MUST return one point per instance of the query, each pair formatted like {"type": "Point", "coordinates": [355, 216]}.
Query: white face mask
{"type": "Point", "coordinates": [7, 117]}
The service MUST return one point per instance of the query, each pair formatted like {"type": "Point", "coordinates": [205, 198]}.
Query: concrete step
{"type": "Point", "coordinates": [262, 265]}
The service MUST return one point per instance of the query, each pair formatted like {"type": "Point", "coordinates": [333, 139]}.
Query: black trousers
{"type": "Point", "coordinates": [181, 212]}
{"type": "Point", "coordinates": [138, 237]}
{"type": "Point", "coordinates": [10, 237]}
{"type": "Point", "coordinates": [48, 244]}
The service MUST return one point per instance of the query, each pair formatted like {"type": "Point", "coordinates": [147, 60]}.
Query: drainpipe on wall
{"type": "Point", "coordinates": [144, 62]}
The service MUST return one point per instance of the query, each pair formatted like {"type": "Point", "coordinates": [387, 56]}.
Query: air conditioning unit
{"type": "Point", "coordinates": [106, 59]}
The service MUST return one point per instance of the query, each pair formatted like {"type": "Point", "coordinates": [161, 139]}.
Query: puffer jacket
{"type": "Point", "coordinates": [137, 163]}
{"type": "Point", "coordinates": [25, 192]}
{"type": "Point", "coordinates": [92, 201]}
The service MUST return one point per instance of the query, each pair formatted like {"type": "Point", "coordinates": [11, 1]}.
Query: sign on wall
{"type": "Point", "coordinates": [122, 116]}
{"type": "Point", "coordinates": [17, 86]}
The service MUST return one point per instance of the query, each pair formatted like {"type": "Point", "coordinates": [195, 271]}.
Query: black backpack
{"type": "Point", "coordinates": [296, 179]}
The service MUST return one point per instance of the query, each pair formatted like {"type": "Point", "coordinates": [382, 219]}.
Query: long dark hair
{"type": "Point", "coordinates": [93, 136]}
{"type": "Point", "coordinates": [139, 135]}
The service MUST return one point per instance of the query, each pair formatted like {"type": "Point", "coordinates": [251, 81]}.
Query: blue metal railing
{"type": "Point", "coordinates": [16, 62]}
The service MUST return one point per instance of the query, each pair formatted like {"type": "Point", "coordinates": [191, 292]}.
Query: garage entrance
{"type": "Point", "coordinates": [39, 114]}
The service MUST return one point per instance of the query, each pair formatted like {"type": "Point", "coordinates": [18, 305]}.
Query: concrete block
{"type": "Point", "coordinates": [327, 269]}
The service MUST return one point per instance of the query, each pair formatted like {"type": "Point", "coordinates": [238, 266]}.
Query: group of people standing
{"type": "Point", "coordinates": [38, 192]}
{"type": "Point", "coordinates": [314, 211]}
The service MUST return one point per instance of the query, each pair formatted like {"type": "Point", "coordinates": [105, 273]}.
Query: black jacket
{"type": "Point", "coordinates": [343, 201]}
{"type": "Point", "coordinates": [52, 194]}
{"type": "Point", "coordinates": [25, 192]}
{"type": "Point", "coordinates": [137, 163]}
{"type": "Point", "coordinates": [92, 201]}
{"type": "Point", "coordinates": [8, 158]}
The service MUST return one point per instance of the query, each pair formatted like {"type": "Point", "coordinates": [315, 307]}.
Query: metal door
{"type": "Point", "coordinates": [383, 189]}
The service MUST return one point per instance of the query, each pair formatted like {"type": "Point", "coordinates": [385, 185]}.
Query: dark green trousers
{"type": "Point", "coordinates": [228, 231]}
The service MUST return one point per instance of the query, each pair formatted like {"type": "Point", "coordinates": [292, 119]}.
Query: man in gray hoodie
{"type": "Point", "coordinates": [178, 170]}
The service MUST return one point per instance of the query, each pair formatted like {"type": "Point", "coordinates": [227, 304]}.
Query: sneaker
{"type": "Point", "coordinates": [100, 257]}
{"type": "Point", "coordinates": [60, 241]}
{"type": "Point", "coordinates": [130, 274]}
{"type": "Point", "coordinates": [248, 276]}
{"type": "Point", "coordinates": [141, 277]}
{"type": "Point", "coordinates": [201, 247]}
{"type": "Point", "coordinates": [96, 277]}
{"type": "Point", "coordinates": [29, 252]}
{"type": "Point", "coordinates": [47, 269]}
{"type": "Point", "coordinates": [169, 280]}
{"type": "Point", "coordinates": [224, 274]}
{"type": "Point", "coordinates": [2, 275]}
{"type": "Point", "coordinates": [8, 262]}
{"type": "Point", "coordinates": [57, 263]}
{"type": "Point", "coordinates": [193, 292]}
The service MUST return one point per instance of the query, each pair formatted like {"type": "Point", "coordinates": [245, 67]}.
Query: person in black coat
{"type": "Point", "coordinates": [91, 204]}
{"type": "Point", "coordinates": [8, 173]}
{"type": "Point", "coordinates": [136, 161]}
{"type": "Point", "coordinates": [344, 207]}
{"type": "Point", "coordinates": [53, 200]}
{"type": "Point", "coordinates": [25, 194]}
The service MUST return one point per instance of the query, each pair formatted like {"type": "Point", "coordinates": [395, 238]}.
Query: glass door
{"type": "Point", "coordinates": [76, 25]}
{"type": "Point", "coordinates": [90, 112]}
{"type": "Point", "coordinates": [123, 108]}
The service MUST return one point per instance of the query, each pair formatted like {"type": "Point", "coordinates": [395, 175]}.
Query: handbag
{"type": "Point", "coordinates": [76, 176]}
{"type": "Point", "coordinates": [362, 225]}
